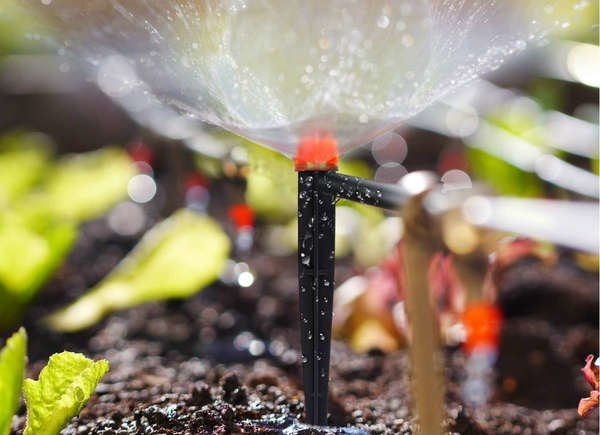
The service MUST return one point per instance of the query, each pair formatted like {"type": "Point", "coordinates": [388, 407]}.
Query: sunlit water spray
{"type": "Point", "coordinates": [278, 71]}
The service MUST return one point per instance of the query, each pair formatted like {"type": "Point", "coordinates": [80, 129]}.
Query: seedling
{"type": "Point", "coordinates": [64, 387]}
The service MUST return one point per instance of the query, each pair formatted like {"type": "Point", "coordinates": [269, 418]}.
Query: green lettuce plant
{"type": "Point", "coordinates": [175, 259]}
{"type": "Point", "coordinates": [41, 204]}
{"type": "Point", "coordinates": [62, 390]}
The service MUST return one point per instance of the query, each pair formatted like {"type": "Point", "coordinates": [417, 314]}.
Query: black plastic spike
{"type": "Point", "coordinates": [317, 194]}
{"type": "Point", "coordinates": [316, 264]}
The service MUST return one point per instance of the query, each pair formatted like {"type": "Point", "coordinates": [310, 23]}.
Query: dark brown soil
{"type": "Point", "coordinates": [226, 360]}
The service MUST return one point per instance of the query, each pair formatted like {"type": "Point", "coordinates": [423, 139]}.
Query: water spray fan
{"type": "Point", "coordinates": [312, 79]}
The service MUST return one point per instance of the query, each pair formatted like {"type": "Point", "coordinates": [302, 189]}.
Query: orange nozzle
{"type": "Point", "coordinates": [482, 322]}
{"type": "Point", "coordinates": [317, 153]}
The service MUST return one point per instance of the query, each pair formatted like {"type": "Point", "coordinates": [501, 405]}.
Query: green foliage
{"type": "Point", "coordinates": [80, 186]}
{"type": "Point", "coordinates": [522, 121]}
{"type": "Point", "coordinates": [175, 259]}
{"type": "Point", "coordinates": [41, 203]}
{"type": "Point", "coordinates": [13, 358]}
{"type": "Point", "coordinates": [28, 257]}
{"type": "Point", "coordinates": [16, 22]}
{"type": "Point", "coordinates": [64, 387]}
{"type": "Point", "coordinates": [503, 177]}
{"type": "Point", "coordinates": [271, 186]}
{"type": "Point", "coordinates": [24, 159]}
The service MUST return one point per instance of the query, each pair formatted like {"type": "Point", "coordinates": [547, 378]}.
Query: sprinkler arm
{"type": "Point", "coordinates": [390, 196]}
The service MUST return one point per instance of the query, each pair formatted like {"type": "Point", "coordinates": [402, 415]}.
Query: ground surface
{"type": "Point", "coordinates": [225, 361]}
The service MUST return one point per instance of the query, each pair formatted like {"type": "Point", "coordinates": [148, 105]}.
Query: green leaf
{"type": "Point", "coordinates": [272, 175]}
{"type": "Point", "coordinates": [175, 259]}
{"type": "Point", "coordinates": [28, 257]}
{"type": "Point", "coordinates": [24, 158]}
{"type": "Point", "coordinates": [64, 387]}
{"type": "Point", "coordinates": [503, 177]}
{"type": "Point", "coordinates": [85, 186]}
{"type": "Point", "coordinates": [16, 21]}
{"type": "Point", "coordinates": [12, 370]}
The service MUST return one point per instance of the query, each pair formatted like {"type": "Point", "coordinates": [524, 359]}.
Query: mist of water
{"type": "Point", "coordinates": [276, 71]}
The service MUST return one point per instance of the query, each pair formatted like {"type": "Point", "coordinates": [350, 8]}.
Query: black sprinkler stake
{"type": "Point", "coordinates": [316, 263]}
{"type": "Point", "coordinates": [317, 193]}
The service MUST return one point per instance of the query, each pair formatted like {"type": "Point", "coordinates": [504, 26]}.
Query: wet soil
{"type": "Point", "coordinates": [226, 360]}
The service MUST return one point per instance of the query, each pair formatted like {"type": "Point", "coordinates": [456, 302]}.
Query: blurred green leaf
{"type": "Point", "coordinates": [271, 186]}
{"type": "Point", "coordinates": [24, 159]}
{"type": "Point", "coordinates": [522, 119]}
{"type": "Point", "coordinates": [64, 387]}
{"type": "Point", "coordinates": [13, 358]}
{"type": "Point", "coordinates": [82, 186]}
{"type": "Point", "coordinates": [20, 30]}
{"type": "Point", "coordinates": [175, 259]}
{"type": "Point", "coordinates": [503, 177]}
{"type": "Point", "coordinates": [27, 258]}
{"type": "Point", "coordinates": [43, 204]}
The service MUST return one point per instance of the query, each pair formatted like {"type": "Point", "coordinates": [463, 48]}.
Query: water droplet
{"type": "Point", "coordinates": [322, 336]}
{"type": "Point", "coordinates": [520, 44]}
{"type": "Point", "coordinates": [407, 40]}
{"type": "Point", "coordinates": [383, 21]}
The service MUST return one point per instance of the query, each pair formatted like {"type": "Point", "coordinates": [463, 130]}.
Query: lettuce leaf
{"type": "Point", "coordinates": [80, 187]}
{"type": "Point", "coordinates": [64, 387]}
{"type": "Point", "coordinates": [24, 159]}
{"type": "Point", "coordinates": [12, 370]}
{"type": "Point", "coordinates": [28, 257]}
{"type": "Point", "coordinates": [175, 259]}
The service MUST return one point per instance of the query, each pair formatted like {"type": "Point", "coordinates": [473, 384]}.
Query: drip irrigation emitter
{"type": "Point", "coordinates": [319, 187]}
